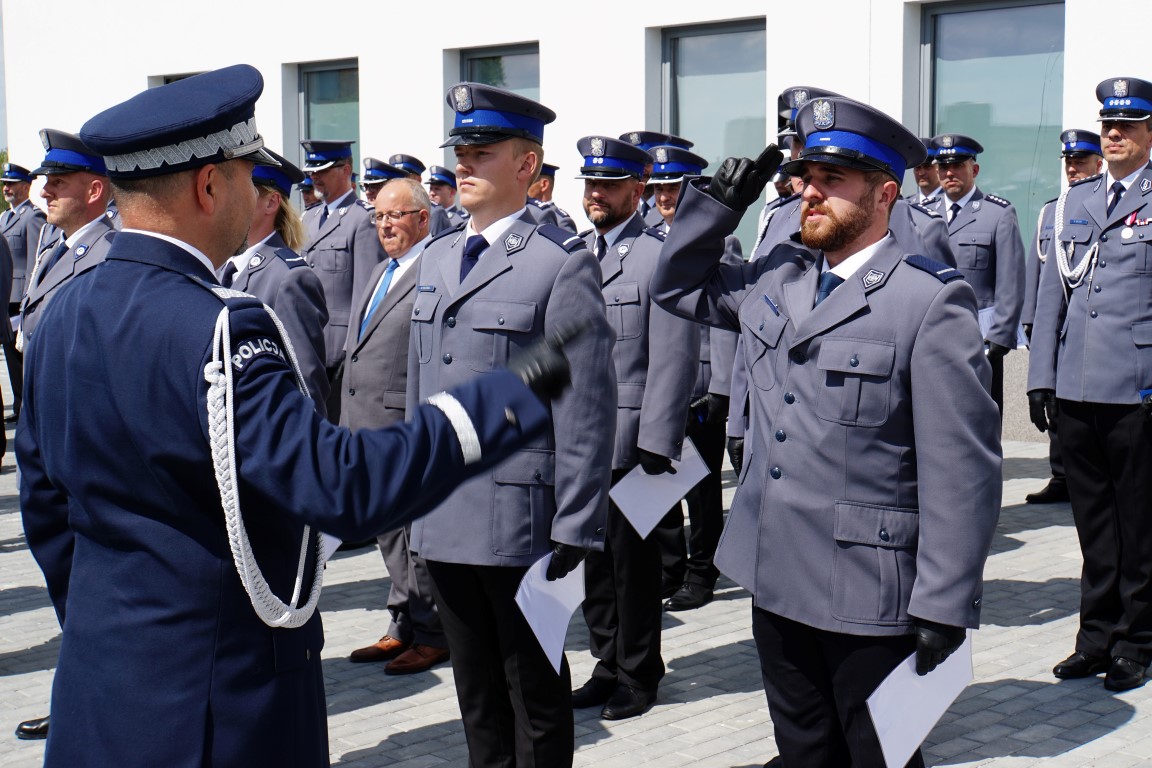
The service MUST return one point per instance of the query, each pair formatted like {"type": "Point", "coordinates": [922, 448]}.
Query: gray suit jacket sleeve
{"type": "Point", "coordinates": [1051, 307]}
{"type": "Point", "coordinates": [1041, 239]}
{"type": "Point", "coordinates": [722, 344]}
{"type": "Point", "coordinates": [1009, 280]}
{"type": "Point", "coordinates": [301, 308]}
{"type": "Point", "coordinates": [6, 334]}
{"type": "Point", "coordinates": [673, 357]}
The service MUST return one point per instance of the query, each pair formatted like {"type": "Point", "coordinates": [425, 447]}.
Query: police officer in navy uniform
{"type": "Point", "coordinates": [870, 389]}
{"type": "Point", "coordinates": [989, 250]}
{"type": "Point", "coordinates": [171, 545]}
{"type": "Point", "coordinates": [689, 571]}
{"type": "Point", "coordinates": [542, 190]}
{"type": "Point", "coordinates": [655, 358]}
{"type": "Point", "coordinates": [341, 245]}
{"type": "Point", "coordinates": [442, 192]}
{"type": "Point", "coordinates": [441, 220]}
{"type": "Point", "coordinates": [21, 225]}
{"type": "Point", "coordinates": [272, 270]}
{"type": "Point", "coordinates": [1083, 157]}
{"type": "Point", "coordinates": [1091, 362]}
{"type": "Point", "coordinates": [376, 172]}
{"type": "Point", "coordinates": [483, 292]}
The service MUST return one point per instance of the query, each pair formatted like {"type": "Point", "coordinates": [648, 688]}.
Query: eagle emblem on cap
{"type": "Point", "coordinates": [44, 139]}
{"type": "Point", "coordinates": [872, 278]}
{"type": "Point", "coordinates": [946, 141]}
{"type": "Point", "coordinates": [634, 138]}
{"type": "Point", "coordinates": [512, 242]}
{"type": "Point", "coordinates": [1072, 137]}
{"type": "Point", "coordinates": [799, 98]}
{"type": "Point", "coordinates": [823, 114]}
{"type": "Point", "coordinates": [1119, 87]}
{"type": "Point", "coordinates": [597, 146]}
{"type": "Point", "coordinates": [462, 98]}
{"type": "Point", "coordinates": [661, 155]}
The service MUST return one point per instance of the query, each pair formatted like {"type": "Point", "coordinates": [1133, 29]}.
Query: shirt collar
{"type": "Point", "coordinates": [853, 263]}
{"type": "Point", "coordinates": [496, 229]}
{"type": "Point", "coordinates": [71, 241]}
{"type": "Point", "coordinates": [196, 252]}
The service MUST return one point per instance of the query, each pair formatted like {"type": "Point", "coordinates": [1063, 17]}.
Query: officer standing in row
{"type": "Point", "coordinates": [927, 176]}
{"type": "Point", "coordinates": [272, 270]}
{"type": "Point", "coordinates": [21, 225]}
{"type": "Point", "coordinates": [989, 250]}
{"type": "Point", "coordinates": [655, 359]}
{"type": "Point", "coordinates": [442, 192]}
{"type": "Point", "coordinates": [542, 190]}
{"type": "Point", "coordinates": [341, 245]}
{"type": "Point", "coordinates": [307, 193]}
{"type": "Point", "coordinates": [1091, 362]}
{"type": "Point", "coordinates": [499, 284]}
{"type": "Point", "coordinates": [863, 359]}
{"type": "Point", "coordinates": [168, 616]}
{"type": "Point", "coordinates": [646, 140]}
{"type": "Point", "coordinates": [1083, 158]}
{"type": "Point", "coordinates": [376, 172]}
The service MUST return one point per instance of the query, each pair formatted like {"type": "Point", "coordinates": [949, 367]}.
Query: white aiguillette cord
{"type": "Point", "coordinates": [222, 434]}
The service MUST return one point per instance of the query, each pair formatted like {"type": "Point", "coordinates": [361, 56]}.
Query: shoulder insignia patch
{"type": "Point", "coordinates": [562, 237]}
{"type": "Point", "coordinates": [998, 200]}
{"type": "Point", "coordinates": [290, 257]}
{"type": "Point", "coordinates": [925, 209]}
{"type": "Point", "coordinates": [655, 232]}
{"type": "Point", "coordinates": [1078, 182]}
{"type": "Point", "coordinates": [937, 269]}
{"type": "Point", "coordinates": [537, 203]}
{"type": "Point", "coordinates": [366, 205]}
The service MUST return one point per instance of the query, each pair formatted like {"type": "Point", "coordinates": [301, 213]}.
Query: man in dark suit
{"type": "Point", "coordinates": [272, 270]}
{"type": "Point", "coordinates": [872, 488]}
{"type": "Point", "coordinates": [375, 388]}
{"type": "Point", "coordinates": [483, 292]}
{"type": "Point", "coordinates": [21, 225]}
{"type": "Point", "coordinates": [1091, 363]}
{"type": "Point", "coordinates": [177, 646]}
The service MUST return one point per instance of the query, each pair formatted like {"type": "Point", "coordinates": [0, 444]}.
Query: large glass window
{"type": "Point", "coordinates": [997, 75]}
{"type": "Point", "coordinates": [330, 103]}
{"type": "Point", "coordinates": [714, 95]}
{"type": "Point", "coordinates": [513, 68]}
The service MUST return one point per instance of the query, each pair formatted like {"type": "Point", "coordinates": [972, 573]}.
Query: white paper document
{"type": "Point", "coordinates": [548, 605]}
{"type": "Point", "coordinates": [328, 546]}
{"type": "Point", "coordinates": [905, 707]}
{"type": "Point", "coordinates": [645, 499]}
{"type": "Point", "coordinates": [987, 315]}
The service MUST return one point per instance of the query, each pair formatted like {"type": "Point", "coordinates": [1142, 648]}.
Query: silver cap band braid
{"type": "Point", "coordinates": [240, 139]}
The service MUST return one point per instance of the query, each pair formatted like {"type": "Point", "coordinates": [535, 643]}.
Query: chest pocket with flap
{"type": "Point", "coordinates": [857, 383]}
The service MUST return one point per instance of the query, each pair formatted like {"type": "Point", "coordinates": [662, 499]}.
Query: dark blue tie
{"type": "Point", "coordinates": [1117, 193]}
{"type": "Point", "coordinates": [229, 274]}
{"type": "Point", "coordinates": [379, 295]}
{"type": "Point", "coordinates": [473, 247]}
{"type": "Point", "coordinates": [50, 260]}
{"type": "Point", "coordinates": [828, 283]}
{"type": "Point", "coordinates": [323, 216]}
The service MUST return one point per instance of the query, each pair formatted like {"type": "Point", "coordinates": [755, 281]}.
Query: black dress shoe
{"type": "Point", "coordinates": [12, 420]}
{"type": "Point", "coordinates": [776, 762]}
{"type": "Point", "coordinates": [593, 693]}
{"type": "Point", "coordinates": [689, 596]}
{"type": "Point", "coordinates": [1081, 665]}
{"type": "Point", "coordinates": [628, 702]}
{"type": "Point", "coordinates": [1124, 675]}
{"type": "Point", "coordinates": [33, 729]}
{"type": "Point", "coordinates": [1056, 492]}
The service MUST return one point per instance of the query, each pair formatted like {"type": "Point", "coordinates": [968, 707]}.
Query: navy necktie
{"type": "Point", "coordinates": [379, 295]}
{"type": "Point", "coordinates": [229, 274]}
{"type": "Point", "coordinates": [473, 247]}
{"type": "Point", "coordinates": [954, 210]}
{"type": "Point", "coordinates": [51, 259]}
{"type": "Point", "coordinates": [323, 216]}
{"type": "Point", "coordinates": [1117, 193]}
{"type": "Point", "coordinates": [601, 246]}
{"type": "Point", "coordinates": [828, 283]}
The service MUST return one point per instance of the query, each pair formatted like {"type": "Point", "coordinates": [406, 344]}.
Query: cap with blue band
{"type": "Point", "coordinates": [671, 164]}
{"type": "Point", "coordinates": [66, 153]}
{"type": "Point", "coordinates": [281, 178]}
{"type": "Point", "coordinates": [320, 155]}
{"type": "Point", "coordinates": [378, 172]}
{"type": "Point", "coordinates": [13, 172]}
{"type": "Point", "coordinates": [1125, 99]}
{"type": "Point", "coordinates": [955, 148]}
{"type": "Point", "coordinates": [646, 140]}
{"type": "Point", "coordinates": [1077, 141]}
{"type": "Point", "coordinates": [407, 163]}
{"type": "Point", "coordinates": [486, 115]}
{"type": "Point", "coordinates": [611, 159]}
{"type": "Point", "coordinates": [438, 174]}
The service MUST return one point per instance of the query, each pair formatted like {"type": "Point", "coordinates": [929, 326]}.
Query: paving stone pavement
{"type": "Point", "coordinates": [711, 709]}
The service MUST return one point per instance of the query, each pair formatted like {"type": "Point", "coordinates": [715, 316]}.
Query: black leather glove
{"type": "Point", "coordinates": [543, 366]}
{"type": "Point", "coordinates": [565, 558]}
{"type": "Point", "coordinates": [739, 181]}
{"type": "Point", "coordinates": [654, 463]}
{"type": "Point", "coordinates": [1041, 403]}
{"type": "Point", "coordinates": [1146, 403]}
{"type": "Point", "coordinates": [736, 453]}
{"type": "Point", "coordinates": [934, 643]}
{"type": "Point", "coordinates": [711, 409]}
{"type": "Point", "coordinates": [995, 351]}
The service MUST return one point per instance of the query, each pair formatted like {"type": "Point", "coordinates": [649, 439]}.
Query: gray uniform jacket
{"type": "Point", "coordinates": [376, 363]}
{"type": "Point", "coordinates": [1096, 346]}
{"type": "Point", "coordinates": [6, 334]}
{"type": "Point", "coordinates": [1041, 246]}
{"type": "Point", "coordinates": [985, 237]}
{"type": "Point", "coordinates": [531, 283]}
{"type": "Point", "coordinates": [343, 252]}
{"type": "Point", "coordinates": [280, 278]}
{"type": "Point", "coordinates": [21, 228]}
{"type": "Point", "coordinates": [439, 220]}
{"type": "Point", "coordinates": [655, 354]}
{"type": "Point", "coordinates": [563, 220]}
{"type": "Point", "coordinates": [85, 253]}
{"type": "Point", "coordinates": [871, 490]}
{"type": "Point", "coordinates": [718, 345]}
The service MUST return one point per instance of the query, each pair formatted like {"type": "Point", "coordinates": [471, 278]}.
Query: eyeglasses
{"type": "Point", "coordinates": [392, 215]}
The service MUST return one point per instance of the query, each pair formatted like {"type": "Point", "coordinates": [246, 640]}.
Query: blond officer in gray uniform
{"type": "Point", "coordinates": [273, 271]}
{"type": "Point", "coordinates": [655, 357]}
{"type": "Point", "coordinates": [985, 238]}
{"type": "Point", "coordinates": [869, 497]}
{"type": "Point", "coordinates": [341, 246]}
{"type": "Point", "coordinates": [21, 225]}
{"type": "Point", "coordinates": [483, 292]}
{"type": "Point", "coordinates": [1091, 358]}
{"type": "Point", "coordinates": [441, 220]}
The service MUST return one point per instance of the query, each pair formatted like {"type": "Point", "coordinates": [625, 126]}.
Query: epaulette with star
{"type": "Point", "coordinates": [1078, 182]}
{"type": "Point", "coordinates": [997, 200]}
{"type": "Point", "coordinates": [656, 232]}
{"type": "Point", "coordinates": [366, 205]}
{"type": "Point", "coordinates": [537, 203]}
{"type": "Point", "coordinates": [562, 237]}
{"type": "Point", "coordinates": [925, 209]}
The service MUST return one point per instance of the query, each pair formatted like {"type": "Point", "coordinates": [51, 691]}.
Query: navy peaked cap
{"type": "Point", "coordinates": [13, 172]}
{"type": "Point", "coordinates": [1124, 98]}
{"type": "Point", "coordinates": [607, 158]}
{"type": "Point", "coordinates": [795, 97]}
{"type": "Point", "coordinates": [322, 154]}
{"type": "Point", "coordinates": [281, 177]}
{"type": "Point", "coordinates": [66, 153]}
{"type": "Point", "coordinates": [206, 118]}
{"type": "Point", "coordinates": [1077, 141]}
{"type": "Point", "coordinates": [486, 115]}
{"type": "Point", "coordinates": [378, 172]}
{"type": "Point", "coordinates": [438, 173]}
{"type": "Point", "coordinates": [842, 131]}
{"type": "Point", "coordinates": [671, 164]}
{"type": "Point", "coordinates": [648, 139]}
{"type": "Point", "coordinates": [407, 163]}
{"type": "Point", "coordinates": [955, 148]}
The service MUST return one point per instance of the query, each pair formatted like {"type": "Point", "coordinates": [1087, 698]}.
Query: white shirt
{"type": "Point", "coordinates": [71, 241]}
{"type": "Point", "coordinates": [853, 263]}
{"type": "Point", "coordinates": [241, 260]}
{"type": "Point", "coordinates": [496, 229]}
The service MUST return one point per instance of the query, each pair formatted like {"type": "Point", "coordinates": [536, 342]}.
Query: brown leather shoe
{"type": "Point", "coordinates": [416, 659]}
{"type": "Point", "coordinates": [382, 650]}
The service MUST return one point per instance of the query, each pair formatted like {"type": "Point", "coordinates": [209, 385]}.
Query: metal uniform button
{"type": "Point", "coordinates": [500, 321]}
{"type": "Point", "coordinates": [450, 322]}
{"type": "Point", "coordinates": [416, 311]}
{"type": "Point", "coordinates": [884, 534]}
{"type": "Point", "coordinates": [781, 435]}
{"type": "Point", "coordinates": [855, 361]}
{"type": "Point", "coordinates": [799, 358]}
{"type": "Point", "coordinates": [307, 654]}
{"type": "Point", "coordinates": [510, 417]}
{"type": "Point", "coordinates": [355, 358]}
{"type": "Point", "coordinates": [1096, 288]}
{"type": "Point", "coordinates": [776, 473]}
{"type": "Point", "coordinates": [789, 398]}
{"type": "Point", "coordinates": [1093, 313]}
{"type": "Point", "coordinates": [1103, 238]}
{"type": "Point", "coordinates": [761, 325]}
{"type": "Point", "coordinates": [351, 392]}
{"type": "Point", "coordinates": [1103, 264]}
{"type": "Point", "coordinates": [537, 475]}
{"type": "Point", "coordinates": [447, 358]}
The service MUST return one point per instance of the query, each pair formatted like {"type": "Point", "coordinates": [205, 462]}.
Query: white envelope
{"type": "Point", "coordinates": [645, 499]}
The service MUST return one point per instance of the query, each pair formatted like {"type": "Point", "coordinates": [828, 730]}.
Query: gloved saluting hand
{"type": "Point", "coordinates": [543, 366]}
{"type": "Point", "coordinates": [740, 181]}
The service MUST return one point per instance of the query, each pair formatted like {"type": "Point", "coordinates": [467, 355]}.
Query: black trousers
{"type": "Point", "coordinates": [997, 387]}
{"type": "Point", "coordinates": [1107, 456]}
{"type": "Point", "coordinates": [1055, 457]}
{"type": "Point", "coordinates": [15, 362]}
{"type": "Point", "coordinates": [517, 711]}
{"type": "Point", "coordinates": [622, 604]}
{"type": "Point", "coordinates": [817, 684]}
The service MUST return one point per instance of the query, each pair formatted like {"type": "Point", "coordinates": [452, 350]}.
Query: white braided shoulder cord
{"type": "Point", "coordinates": [1043, 257]}
{"type": "Point", "coordinates": [221, 425]}
{"type": "Point", "coordinates": [1073, 276]}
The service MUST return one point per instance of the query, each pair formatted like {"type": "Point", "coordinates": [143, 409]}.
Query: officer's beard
{"type": "Point", "coordinates": [243, 247]}
{"type": "Point", "coordinates": [834, 231]}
